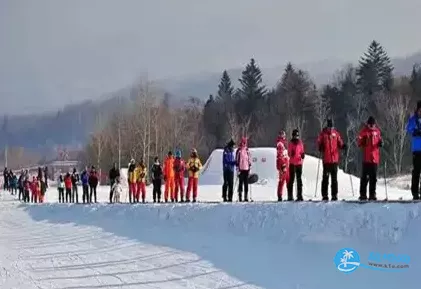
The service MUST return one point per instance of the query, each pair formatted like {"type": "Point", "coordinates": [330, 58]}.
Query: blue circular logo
{"type": "Point", "coordinates": [347, 260]}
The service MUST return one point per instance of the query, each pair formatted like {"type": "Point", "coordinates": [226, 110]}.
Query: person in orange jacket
{"type": "Point", "coordinates": [169, 177]}
{"type": "Point", "coordinates": [193, 167]}
{"type": "Point", "coordinates": [136, 186]}
{"type": "Point", "coordinates": [141, 181]}
{"type": "Point", "coordinates": [179, 169]}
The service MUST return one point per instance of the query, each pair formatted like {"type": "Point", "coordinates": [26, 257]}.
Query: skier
{"type": "Point", "coordinates": [85, 185]}
{"type": "Point", "coordinates": [131, 179]}
{"type": "Point", "coordinates": [169, 177]}
{"type": "Point", "coordinates": [42, 190]}
{"type": "Point", "coordinates": [157, 175]}
{"type": "Point", "coordinates": [414, 128]}
{"type": "Point", "coordinates": [243, 163]}
{"type": "Point", "coordinates": [136, 188]}
{"type": "Point", "coordinates": [20, 185]}
{"type": "Point", "coordinates": [296, 155]}
{"type": "Point", "coordinates": [370, 140]}
{"type": "Point", "coordinates": [282, 165]}
{"type": "Point", "coordinates": [141, 181]}
{"type": "Point", "coordinates": [46, 176]}
{"type": "Point", "coordinates": [68, 186]}
{"type": "Point", "coordinates": [329, 143]}
{"type": "Point", "coordinates": [193, 167]}
{"type": "Point", "coordinates": [26, 189]}
{"type": "Point", "coordinates": [14, 181]}
{"type": "Point", "coordinates": [117, 190]}
{"type": "Point", "coordinates": [93, 183]}
{"type": "Point", "coordinates": [75, 181]}
{"type": "Point", "coordinates": [179, 169]}
{"type": "Point", "coordinates": [228, 167]}
{"type": "Point", "coordinates": [60, 188]}
{"type": "Point", "coordinates": [113, 175]}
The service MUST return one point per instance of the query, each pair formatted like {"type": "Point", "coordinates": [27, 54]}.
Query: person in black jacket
{"type": "Point", "coordinates": [157, 175]}
{"type": "Point", "coordinates": [93, 183]}
{"type": "Point", "coordinates": [113, 176]}
{"type": "Point", "coordinates": [75, 181]}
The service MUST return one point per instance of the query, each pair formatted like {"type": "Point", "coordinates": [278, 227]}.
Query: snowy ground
{"type": "Point", "coordinates": [281, 245]}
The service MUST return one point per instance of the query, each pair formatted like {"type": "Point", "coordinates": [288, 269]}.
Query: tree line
{"type": "Point", "coordinates": [150, 127]}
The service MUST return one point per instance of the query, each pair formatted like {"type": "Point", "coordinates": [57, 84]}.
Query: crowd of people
{"type": "Point", "coordinates": [289, 163]}
{"type": "Point", "coordinates": [67, 186]}
{"type": "Point", "coordinates": [171, 173]}
{"type": "Point", "coordinates": [28, 189]}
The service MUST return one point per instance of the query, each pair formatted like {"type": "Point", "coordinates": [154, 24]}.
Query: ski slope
{"type": "Point", "coordinates": [171, 246]}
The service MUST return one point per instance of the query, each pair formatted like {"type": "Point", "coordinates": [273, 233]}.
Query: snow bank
{"type": "Point", "coordinates": [285, 245]}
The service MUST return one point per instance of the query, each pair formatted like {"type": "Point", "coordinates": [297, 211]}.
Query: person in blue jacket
{"type": "Point", "coordinates": [228, 167]}
{"type": "Point", "coordinates": [414, 129]}
{"type": "Point", "coordinates": [84, 177]}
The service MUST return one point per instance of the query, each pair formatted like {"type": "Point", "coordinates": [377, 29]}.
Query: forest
{"type": "Point", "coordinates": [148, 126]}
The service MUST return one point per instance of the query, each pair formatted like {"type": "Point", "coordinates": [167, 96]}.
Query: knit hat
{"type": "Point", "coordinates": [295, 133]}
{"type": "Point", "coordinates": [170, 153]}
{"type": "Point", "coordinates": [371, 121]}
{"type": "Point", "coordinates": [329, 123]}
{"type": "Point", "coordinates": [231, 143]}
{"type": "Point", "coordinates": [178, 154]}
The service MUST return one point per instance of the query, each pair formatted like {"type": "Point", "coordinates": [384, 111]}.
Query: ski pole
{"type": "Point", "coordinates": [352, 185]}
{"type": "Point", "coordinates": [385, 182]}
{"type": "Point", "coordinates": [317, 176]}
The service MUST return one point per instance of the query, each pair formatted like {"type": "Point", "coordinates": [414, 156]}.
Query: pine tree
{"type": "Point", "coordinates": [375, 71]}
{"type": "Point", "coordinates": [252, 82]}
{"type": "Point", "coordinates": [225, 88]}
{"type": "Point", "coordinates": [415, 82]}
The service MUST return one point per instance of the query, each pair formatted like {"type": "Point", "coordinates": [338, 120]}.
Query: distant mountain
{"type": "Point", "coordinates": [201, 85]}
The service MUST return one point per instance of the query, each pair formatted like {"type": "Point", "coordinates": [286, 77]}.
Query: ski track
{"type": "Point", "coordinates": [68, 256]}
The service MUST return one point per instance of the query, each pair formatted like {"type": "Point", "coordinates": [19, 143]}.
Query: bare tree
{"type": "Point", "coordinates": [321, 108]}
{"type": "Point", "coordinates": [394, 110]}
{"type": "Point", "coordinates": [354, 119]}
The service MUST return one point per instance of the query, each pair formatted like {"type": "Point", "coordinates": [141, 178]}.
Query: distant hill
{"type": "Point", "coordinates": [201, 85]}
{"type": "Point", "coordinates": [72, 125]}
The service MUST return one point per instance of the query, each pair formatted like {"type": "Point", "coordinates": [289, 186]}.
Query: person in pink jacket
{"type": "Point", "coordinates": [243, 163]}
{"type": "Point", "coordinates": [296, 155]}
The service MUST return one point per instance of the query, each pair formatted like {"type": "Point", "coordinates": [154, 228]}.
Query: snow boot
{"type": "Point", "coordinates": [279, 198]}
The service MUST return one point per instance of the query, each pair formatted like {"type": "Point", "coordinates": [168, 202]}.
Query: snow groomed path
{"type": "Point", "coordinates": [238, 245]}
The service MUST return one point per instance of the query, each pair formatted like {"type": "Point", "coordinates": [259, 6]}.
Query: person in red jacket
{"type": "Point", "coordinates": [68, 187]}
{"type": "Point", "coordinates": [370, 141]}
{"type": "Point", "coordinates": [296, 156]}
{"type": "Point", "coordinates": [329, 143]}
{"type": "Point", "coordinates": [179, 169]}
{"type": "Point", "coordinates": [282, 164]}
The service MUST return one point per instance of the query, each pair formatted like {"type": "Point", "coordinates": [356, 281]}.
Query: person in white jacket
{"type": "Point", "coordinates": [117, 191]}
{"type": "Point", "coordinates": [60, 187]}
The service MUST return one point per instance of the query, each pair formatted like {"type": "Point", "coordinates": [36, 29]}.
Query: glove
{"type": "Point", "coordinates": [380, 144]}
{"type": "Point", "coordinates": [344, 146]}
{"type": "Point", "coordinates": [416, 133]}
{"type": "Point", "coordinates": [302, 156]}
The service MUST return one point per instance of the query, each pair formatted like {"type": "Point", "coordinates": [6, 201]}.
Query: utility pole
{"type": "Point", "coordinates": [119, 133]}
{"type": "Point", "coordinates": [5, 155]}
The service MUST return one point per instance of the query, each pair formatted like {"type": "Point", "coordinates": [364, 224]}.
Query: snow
{"type": "Point", "coordinates": [206, 245]}
{"type": "Point", "coordinates": [238, 245]}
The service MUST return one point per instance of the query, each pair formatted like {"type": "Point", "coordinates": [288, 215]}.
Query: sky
{"type": "Point", "coordinates": [56, 52]}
